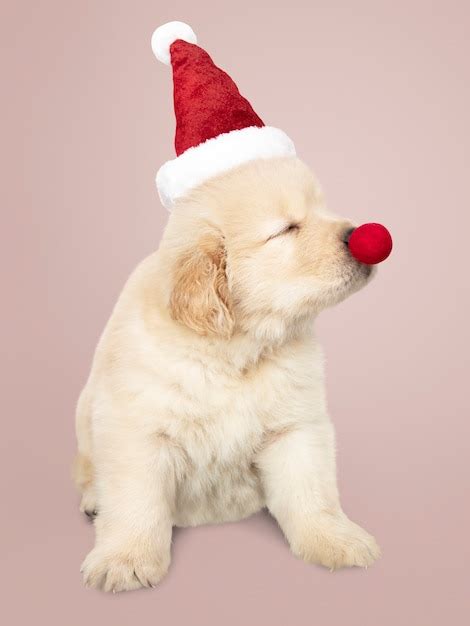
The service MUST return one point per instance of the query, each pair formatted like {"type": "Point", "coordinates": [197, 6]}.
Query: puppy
{"type": "Point", "coordinates": [206, 401]}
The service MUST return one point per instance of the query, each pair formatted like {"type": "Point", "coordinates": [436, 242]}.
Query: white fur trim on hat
{"type": "Point", "coordinates": [215, 156]}
{"type": "Point", "coordinates": [167, 34]}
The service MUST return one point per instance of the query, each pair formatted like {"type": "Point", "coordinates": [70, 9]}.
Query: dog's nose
{"type": "Point", "coordinates": [347, 235]}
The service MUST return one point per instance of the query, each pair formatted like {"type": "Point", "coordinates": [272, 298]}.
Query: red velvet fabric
{"type": "Point", "coordinates": [207, 101]}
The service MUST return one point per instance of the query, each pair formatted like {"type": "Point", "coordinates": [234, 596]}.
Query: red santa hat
{"type": "Point", "coordinates": [216, 127]}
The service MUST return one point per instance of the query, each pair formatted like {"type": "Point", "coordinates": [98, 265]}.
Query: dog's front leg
{"type": "Point", "coordinates": [299, 478]}
{"type": "Point", "coordinates": [135, 485]}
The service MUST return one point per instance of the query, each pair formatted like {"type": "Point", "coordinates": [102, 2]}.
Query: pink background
{"type": "Point", "coordinates": [376, 96]}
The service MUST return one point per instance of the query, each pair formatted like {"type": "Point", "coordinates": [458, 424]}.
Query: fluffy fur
{"type": "Point", "coordinates": [167, 34]}
{"type": "Point", "coordinates": [206, 399]}
{"type": "Point", "coordinates": [215, 156]}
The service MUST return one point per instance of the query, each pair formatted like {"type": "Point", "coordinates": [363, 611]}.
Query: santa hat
{"type": "Point", "coordinates": [216, 127]}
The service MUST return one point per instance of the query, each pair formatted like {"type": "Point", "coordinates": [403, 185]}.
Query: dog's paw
{"type": "Point", "coordinates": [122, 571]}
{"type": "Point", "coordinates": [88, 504]}
{"type": "Point", "coordinates": [335, 542]}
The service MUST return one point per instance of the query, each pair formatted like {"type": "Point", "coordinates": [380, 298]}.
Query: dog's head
{"type": "Point", "coordinates": [256, 250]}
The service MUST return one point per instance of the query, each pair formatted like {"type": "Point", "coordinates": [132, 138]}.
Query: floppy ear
{"type": "Point", "coordinates": [200, 297]}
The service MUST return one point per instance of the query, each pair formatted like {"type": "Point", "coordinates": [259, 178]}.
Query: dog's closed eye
{"type": "Point", "coordinates": [290, 228]}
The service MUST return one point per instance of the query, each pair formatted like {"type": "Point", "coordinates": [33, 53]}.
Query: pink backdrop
{"type": "Point", "coordinates": [376, 96]}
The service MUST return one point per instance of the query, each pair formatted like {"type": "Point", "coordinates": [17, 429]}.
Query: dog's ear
{"type": "Point", "coordinates": [200, 297]}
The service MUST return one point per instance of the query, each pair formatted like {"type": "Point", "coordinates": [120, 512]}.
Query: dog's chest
{"type": "Point", "coordinates": [220, 422]}
{"type": "Point", "coordinates": [221, 480]}
{"type": "Point", "coordinates": [216, 416]}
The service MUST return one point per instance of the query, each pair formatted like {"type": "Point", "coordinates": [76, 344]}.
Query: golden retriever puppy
{"type": "Point", "coordinates": [206, 400]}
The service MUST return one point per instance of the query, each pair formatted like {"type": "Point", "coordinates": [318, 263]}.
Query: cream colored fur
{"type": "Point", "coordinates": [206, 401]}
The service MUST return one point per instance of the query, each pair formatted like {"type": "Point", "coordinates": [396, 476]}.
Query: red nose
{"type": "Point", "coordinates": [370, 243]}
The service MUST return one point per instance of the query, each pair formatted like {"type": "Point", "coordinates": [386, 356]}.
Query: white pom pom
{"type": "Point", "coordinates": [168, 33]}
